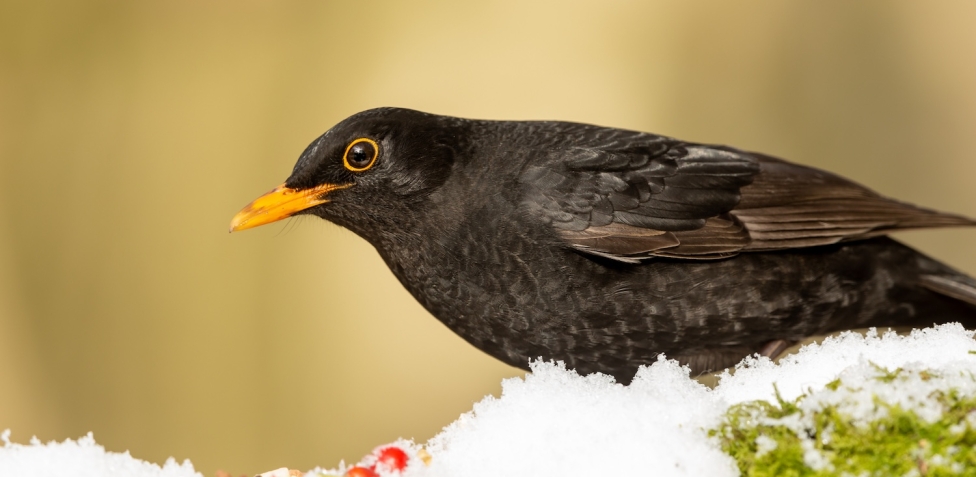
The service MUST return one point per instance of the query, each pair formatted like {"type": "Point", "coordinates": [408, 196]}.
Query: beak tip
{"type": "Point", "coordinates": [280, 203]}
{"type": "Point", "coordinates": [237, 224]}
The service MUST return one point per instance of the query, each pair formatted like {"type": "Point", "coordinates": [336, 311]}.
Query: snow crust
{"type": "Point", "coordinates": [81, 458]}
{"type": "Point", "coordinates": [557, 423]}
{"type": "Point", "coordinates": [814, 366]}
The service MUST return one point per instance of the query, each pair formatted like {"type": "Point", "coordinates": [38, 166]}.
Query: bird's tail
{"type": "Point", "coordinates": [960, 287]}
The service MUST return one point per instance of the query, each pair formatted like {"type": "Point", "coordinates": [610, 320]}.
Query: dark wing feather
{"type": "Point", "coordinates": [790, 206]}
{"type": "Point", "coordinates": [644, 197]}
{"type": "Point", "coordinates": [636, 196]}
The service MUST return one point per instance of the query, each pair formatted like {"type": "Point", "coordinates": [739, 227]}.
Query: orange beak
{"type": "Point", "coordinates": [280, 203]}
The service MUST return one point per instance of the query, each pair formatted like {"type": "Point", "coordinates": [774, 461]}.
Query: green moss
{"type": "Point", "coordinates": [786, 440]}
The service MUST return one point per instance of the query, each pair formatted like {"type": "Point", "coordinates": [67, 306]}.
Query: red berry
{"type": "Point", "coordinates": [358, 471]}
{"type": "Point", "coordinates": [391, 459]}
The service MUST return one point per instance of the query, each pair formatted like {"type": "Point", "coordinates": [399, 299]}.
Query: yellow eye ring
{"type": "Point", "coordinates": [360, 154]}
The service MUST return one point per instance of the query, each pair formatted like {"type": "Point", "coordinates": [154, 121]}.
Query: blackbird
{"type": "Point", "coordinates": [605, 248]}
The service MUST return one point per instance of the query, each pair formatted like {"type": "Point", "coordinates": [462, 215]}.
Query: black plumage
{"type": "Point", "coordinates": [605, 248]}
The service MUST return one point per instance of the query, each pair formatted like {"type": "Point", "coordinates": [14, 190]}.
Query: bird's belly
{"type": "Point", "coordinates": [517, 304]}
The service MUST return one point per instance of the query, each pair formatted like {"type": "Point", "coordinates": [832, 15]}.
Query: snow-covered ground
{"type": "Point", "coordinates": [81, 458]}
{"type": "Point", "coordinates": [555, 422]}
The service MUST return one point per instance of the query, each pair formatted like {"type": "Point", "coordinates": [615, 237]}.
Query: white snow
{"type": "Point", "coordinates": [765, 445]}
{"type": "Point", "coordinates": [816, 365]}
{"type": "Point", "coordinates": [556, 423]}
{"type": "Point", "coordinates": [81, 458]}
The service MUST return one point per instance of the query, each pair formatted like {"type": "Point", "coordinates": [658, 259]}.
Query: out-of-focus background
{"type": "Point", "coordinates": [131, 132]}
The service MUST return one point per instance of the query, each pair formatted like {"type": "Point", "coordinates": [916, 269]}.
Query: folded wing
{"type": "Point", "coordinates": [641, 196]}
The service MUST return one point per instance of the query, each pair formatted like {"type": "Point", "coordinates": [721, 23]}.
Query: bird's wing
{"type": "Point", "coordinates": [792, 206]}
{"type": "Point", "coordinates": [649, 196]}
{"type": "Point", "coordinates": [642, 196]}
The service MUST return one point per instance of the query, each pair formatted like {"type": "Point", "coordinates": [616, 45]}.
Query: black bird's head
{"type": "Point", "coordinates": [370, 173]}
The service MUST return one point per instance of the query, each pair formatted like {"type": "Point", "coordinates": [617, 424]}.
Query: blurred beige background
{"type": "Point", "coordinates": [131, 132]}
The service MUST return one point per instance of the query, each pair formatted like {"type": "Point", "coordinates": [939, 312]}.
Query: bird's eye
{"type": "Point", "coordinates": [361, 154]}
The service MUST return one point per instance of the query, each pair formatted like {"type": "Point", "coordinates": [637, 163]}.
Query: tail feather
{"type": "Point", "coordinates": [960, 287]}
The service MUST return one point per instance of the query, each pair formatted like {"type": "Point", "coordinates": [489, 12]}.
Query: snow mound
{"type": "Point", "coordinates": [81, 458]}
{"type": "Point", "coordinates": [816, 365]}
{"type": "Point", "coordinates": [557, 423]}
